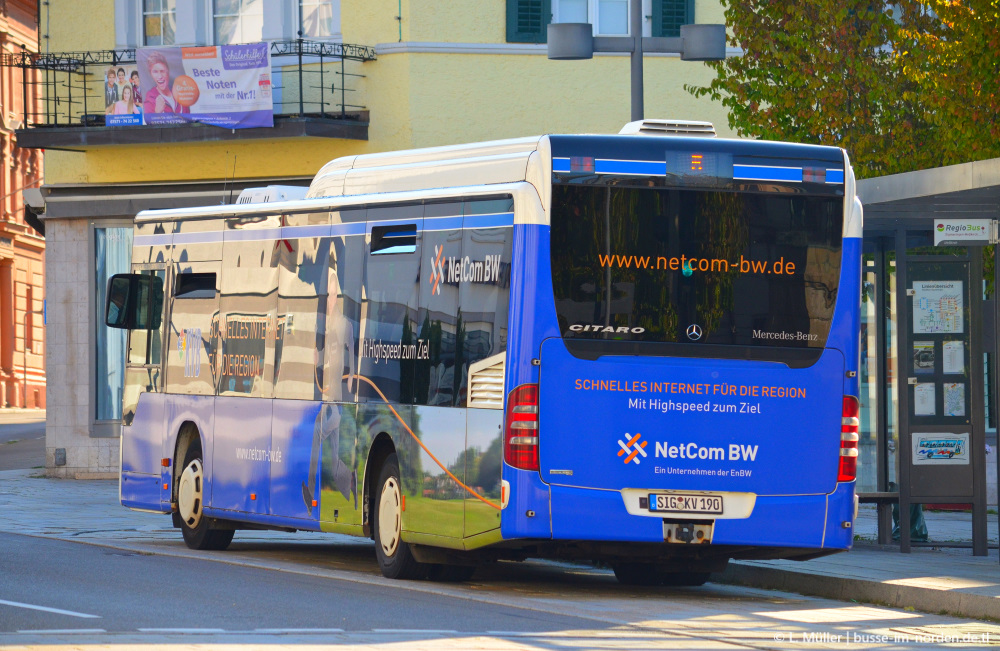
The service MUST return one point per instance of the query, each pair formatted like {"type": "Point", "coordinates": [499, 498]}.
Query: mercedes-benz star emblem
{"type": "Point", "coordinates": [694, 332]}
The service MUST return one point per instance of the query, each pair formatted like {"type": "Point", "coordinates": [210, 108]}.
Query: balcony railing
{"type": "Point", "coordinates": [311, 79]}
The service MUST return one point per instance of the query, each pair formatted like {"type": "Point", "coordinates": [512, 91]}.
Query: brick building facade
{"type": "Point", "coordinates": [22, 248]}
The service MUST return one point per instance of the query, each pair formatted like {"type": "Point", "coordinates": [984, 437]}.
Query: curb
{"type": "Point", "coordinates": [926, 600]}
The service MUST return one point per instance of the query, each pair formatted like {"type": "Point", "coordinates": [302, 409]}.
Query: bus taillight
{"type": "Point", "coordinates": [848, 470]}
{"type": "Point", "coordinates": [521, 435]}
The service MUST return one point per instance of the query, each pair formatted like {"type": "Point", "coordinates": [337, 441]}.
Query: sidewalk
{"type": "Point", "coordinates": [20, 414]}
{"type": "Point", "coordinates": [929, 579]}
{"type": "Point", "coordinates": [932, 580]}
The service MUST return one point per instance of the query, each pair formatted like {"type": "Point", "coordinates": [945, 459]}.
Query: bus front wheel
{"type": "Point", "coordinates": [394, 556]}
{"type": "Point", "coordinates": [195, 527]}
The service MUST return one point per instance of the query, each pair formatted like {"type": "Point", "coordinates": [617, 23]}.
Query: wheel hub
{"type": "Point", "coordinates": [389, 516]}
{"type": "Point", "coordinates": [189, 494]}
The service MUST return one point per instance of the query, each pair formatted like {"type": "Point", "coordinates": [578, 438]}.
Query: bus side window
{"type": "Point", "coordinates": [399, 238]}
{"type": "Point", "coordinates": [484, 293]}
{"type": "Point", "coordinates": [392, 271]}
{"type": "Point", "coordinates": [438, 328]}
{"type": "Point", "coordinates": [195, 285]}
{"type": "Point", "coordinates": [248, 298]}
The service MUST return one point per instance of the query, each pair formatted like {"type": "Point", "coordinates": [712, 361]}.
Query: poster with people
{"type": "Point", "coordinates": [227, 85]}
{"type": "Point", "coordinates": [122, 96]}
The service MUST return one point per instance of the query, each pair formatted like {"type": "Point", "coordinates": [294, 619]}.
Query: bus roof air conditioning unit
{"type": "Point", "coordinates": [669, 128]}
{"type": "Point", "coordinates": [272, 193]}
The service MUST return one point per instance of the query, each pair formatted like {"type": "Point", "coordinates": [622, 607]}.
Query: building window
{"type": "Point", "coordinates": [527, 20]}
{"type": "Point", "coordinates": [609, 17]}
{"type": "Point", "coordinates": [318, 18]}
{"type": "Point", "coordinates": [113, 255]}
{"type": "Point", "coordinates": [159, 22]}
{"type": "Point", "coordinates": [669, 15]}
{"type": "Point", "coordinates": [238, 21]}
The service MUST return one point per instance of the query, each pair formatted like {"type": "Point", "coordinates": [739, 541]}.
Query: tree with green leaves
{"type": "Point", "coordinates": [954, 61]}
{"type": "Point", "coordinates": [901, 86]}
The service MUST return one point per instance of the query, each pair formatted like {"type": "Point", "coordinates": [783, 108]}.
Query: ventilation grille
{"type": "Point", "coordinates": [669, 128]}
{"type": "Point", "coordinates": [486, 383]}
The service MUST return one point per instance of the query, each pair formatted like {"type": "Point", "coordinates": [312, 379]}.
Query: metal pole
{"type": "Point", "coordinates": [635, 20]}
{"type": "Point", "coordinates": [24, 85]}
{"type": "Point", "coordinates": [301, 99]}
{"type": "Point", "coordinates": [980, 544]}
{"type": "Point", "coordinates": [86, 100]}
{"type": "Point", "coordinates": [322, 90]}
{"type": "Point", "coordinates": [996, 356]}
{"type": "Point", "coordinates": [69, 94]}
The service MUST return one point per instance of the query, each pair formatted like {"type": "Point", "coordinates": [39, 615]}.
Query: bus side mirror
{"type": "Point", "coordinates": [135, 302]}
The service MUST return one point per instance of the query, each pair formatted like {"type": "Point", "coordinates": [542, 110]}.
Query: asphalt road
{"type": "Point", "coordinates": [90, 575]}
{"type": "Point", "coordinates": [22, 440]}
{"type": "Point", "coordinates": [286, 594]}
{"type": "Point", "coordinates": [122, 591]}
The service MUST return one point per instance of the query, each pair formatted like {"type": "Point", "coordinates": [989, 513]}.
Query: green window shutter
{"type": "Point", "coordinates": [669, 15]}
{"type": "Point", "coordinates": [527, 20]}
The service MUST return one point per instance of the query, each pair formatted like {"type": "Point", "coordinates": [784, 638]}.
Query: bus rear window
{"type": "Point", "coordinates": [695, 266]}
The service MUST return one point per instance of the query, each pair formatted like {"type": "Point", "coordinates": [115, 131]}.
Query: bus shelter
{"type": "Point", "coordinates": [929, 389]}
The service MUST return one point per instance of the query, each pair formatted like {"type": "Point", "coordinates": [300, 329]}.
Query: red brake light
{"type": "Point", "coordinates": [521, 433]}
{"type": "Point", "coordinates": [848, 469]}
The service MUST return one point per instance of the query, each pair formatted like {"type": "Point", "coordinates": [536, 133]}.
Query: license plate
{"type": "Point", "coordinates": [686, 503]}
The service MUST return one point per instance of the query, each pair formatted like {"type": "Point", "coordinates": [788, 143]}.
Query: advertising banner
{"type": "Point", "coordinates": [226, 86]}
{"type": "Point", "coordinates": [122, 96]}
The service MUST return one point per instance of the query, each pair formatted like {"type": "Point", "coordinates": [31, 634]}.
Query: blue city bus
{"type": "Point", "coordinates": [636, 349]}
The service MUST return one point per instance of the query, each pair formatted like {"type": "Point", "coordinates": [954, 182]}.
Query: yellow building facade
{"type": "Point", "coordinates": [440, 73]}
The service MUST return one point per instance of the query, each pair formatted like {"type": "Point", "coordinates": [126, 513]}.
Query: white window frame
{"type": "Point", "coordinates": [594, 19]}
{"type": "Point", "coordinates": [210, 23]}
{"type": "Point", "coordinates": [337, 34]}
{"type": "Point", "coordinates": [195, 24]}
{"type": "Point", "coordinates": [142, 25]}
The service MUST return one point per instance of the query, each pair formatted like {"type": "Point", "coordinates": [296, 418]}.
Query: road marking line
{"type": "Point", "coordinates": [297, 630]}
{"type": "Point", "coordinates": [57, 611]}
{"type": "Point", "coordinates": [62, 631]}
{"type": "Point", "coordinates": [412, 630]}
{"type": "Point", "coordinates": [182, 630]}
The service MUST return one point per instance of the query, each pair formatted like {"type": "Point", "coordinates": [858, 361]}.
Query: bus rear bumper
{"type": "Point", "coordinates": [794, 521]}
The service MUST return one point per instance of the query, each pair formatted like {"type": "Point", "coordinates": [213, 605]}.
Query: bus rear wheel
{"type": "Point", "coordinates": [195, 527]}
{"type": "Point", "coordinates": [395, 559]}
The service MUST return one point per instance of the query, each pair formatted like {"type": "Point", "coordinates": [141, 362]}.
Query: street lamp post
{"type": "Point", "coordinates": [701, 42]}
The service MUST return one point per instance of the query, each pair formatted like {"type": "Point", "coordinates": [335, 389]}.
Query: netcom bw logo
{"type": "Point", "coordinates": [694, 332]}
{"type": "Point", "coordinates": [437, 270]}
{"type": "Point", "coordinates": [632, 452]}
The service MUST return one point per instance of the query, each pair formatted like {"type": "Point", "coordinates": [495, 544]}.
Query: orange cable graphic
{"type": "Point", "coordinates": [421, 443]}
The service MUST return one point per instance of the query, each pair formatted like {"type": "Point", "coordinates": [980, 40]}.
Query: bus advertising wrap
{"type": "Point", "coordinates": [226, 86]}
